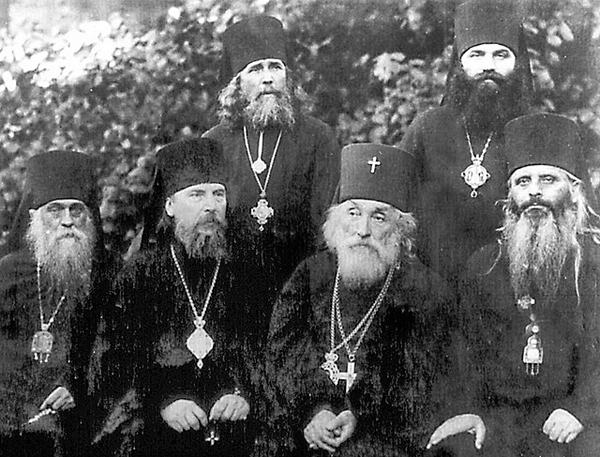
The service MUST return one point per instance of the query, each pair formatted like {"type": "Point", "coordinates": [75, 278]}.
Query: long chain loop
{"type": "Point", "coordinates": [263, 189]}
{"type": "Point", "coordinates": [45, 326]}
{"type": "Point", "coordinates": [199, 318]}
{"type": "Point", "coordinates": [365, 322]}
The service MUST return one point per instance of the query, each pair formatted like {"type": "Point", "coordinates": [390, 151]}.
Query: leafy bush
{"type": "Point", "coordinates": [119, 93]}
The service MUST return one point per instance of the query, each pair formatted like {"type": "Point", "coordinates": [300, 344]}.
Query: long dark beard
{"type": "Point", "coordinates": [64, 255]}
{"type": "Point", "coordinates": [201, 240]}
{"type": "Point", "coordinates": [538, 247]}
{"type": "Point", "coordinates": [487, 102]}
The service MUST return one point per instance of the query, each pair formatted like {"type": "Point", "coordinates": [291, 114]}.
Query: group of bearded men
{"type": "Point", "coordinates": [436, 298]}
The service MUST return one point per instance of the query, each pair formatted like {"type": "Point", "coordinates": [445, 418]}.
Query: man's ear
{"type": "Point", "coordinates": [169, 207]}
{"type": "Point", "coordinates": [31, 213]}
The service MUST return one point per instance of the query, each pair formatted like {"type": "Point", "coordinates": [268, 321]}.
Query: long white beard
{"type": "Point", "coordinates": [362, 265]}
{"type": "Point", "coordinates": [65, 255]}
{"type": "Point", "coordinates": [538, 248]}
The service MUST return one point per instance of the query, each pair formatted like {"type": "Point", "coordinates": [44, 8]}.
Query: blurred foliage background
{"type": "Point", "coordinates": [119, 91]}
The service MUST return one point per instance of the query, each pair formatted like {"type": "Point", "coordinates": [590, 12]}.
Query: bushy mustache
{"type": "Point", "coordinates": [209, 218]}
{"type": "Point", "coordinates": [202, 241]}
{"type": "Point", "coordinates": [491, 74]}
{"type": "Point", "coordinates": [540, 206]}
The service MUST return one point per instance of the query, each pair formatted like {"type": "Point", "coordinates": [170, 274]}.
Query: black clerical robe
{"type": "Point", "coordinates": [25, 382]}
{"type": "Point", "coordinates": [514, 404]}
{"type": "Point", "coordinates": [158, 320]}
{"type": "Point", "coordinates": [398, 365]}
{"type": "Point", "coordinates": [452, 224]}
{"type": "Point", "coordinates": [299, 190]}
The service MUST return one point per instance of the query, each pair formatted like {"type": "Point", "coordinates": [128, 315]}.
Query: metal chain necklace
{"type": "Point", "coordinates": [476, 175]}
{"type": "Point", "coordinates": [41, 344]}
{"type": "Point", "coordinates": [199, 342]}
{"type": "Point", "coordinates": [330, 365]}
{"type": "Point", "coordinates": [262, 211]}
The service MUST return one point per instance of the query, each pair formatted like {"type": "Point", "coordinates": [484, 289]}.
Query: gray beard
{"type": "Point", "coordinates": [274, 110]}
{"type": "Point", "coordinates": [66, 260]}
{"type": "Point", "coordinates": [538, 248]}
{"type": "Point", "coordinates": [364, 266]}
{"type": "Point", "coordinates": [200, 243]}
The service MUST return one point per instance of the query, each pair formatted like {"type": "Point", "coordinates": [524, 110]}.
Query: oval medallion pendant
{"type": "Point", "coordinates": [475, 176]}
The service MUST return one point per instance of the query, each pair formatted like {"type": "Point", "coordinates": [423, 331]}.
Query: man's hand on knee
{"type": "Point", "coordinates": [562, 427]}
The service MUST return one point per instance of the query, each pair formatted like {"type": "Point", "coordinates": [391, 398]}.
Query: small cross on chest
{"type": "Point", "coordinates": [212, 437]}
{"type": "Point", "coordinates": [349, 376]}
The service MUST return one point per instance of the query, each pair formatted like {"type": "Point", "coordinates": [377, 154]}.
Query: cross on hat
{"type": "Point", "coordinates": [373, 162]}
{"type": "Point", "coordinates": [362, 177]}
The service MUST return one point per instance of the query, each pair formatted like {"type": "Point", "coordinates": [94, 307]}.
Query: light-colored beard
{"type": "Point", "coordinates": [64, 254]}
{"type": "Point", "coordinates": [538, 248]}
{"type": "Point", "coordinates": [201, 240]}
{"type": "Point", "coordinates": [363, 263]}
{"type": "Point", "coordinates": [270, 110]}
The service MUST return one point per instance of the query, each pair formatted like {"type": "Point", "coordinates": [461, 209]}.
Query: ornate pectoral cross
{"type": "Point", "coordinates": [349, 376]}
{"type": "Point", "coordinates": [330, 366]}
{"type": "Point", "coordinates": [262, 211]}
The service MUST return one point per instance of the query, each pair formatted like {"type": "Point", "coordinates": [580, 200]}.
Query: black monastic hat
{"type": "Point", "coordinates": [55, 175]}
{"type": "Point", "coordinates": [190, 162]}
{"type": "Point", "coordinates": [486, 21]}
{"type": "Point", "coordinates": [544, 139]}
{"type": "Point", "coordinates": [58, 175]}
{"type": "Point", "coordinates": [249, 40]}
{"type": "Point", "coordinates": [377, 172]}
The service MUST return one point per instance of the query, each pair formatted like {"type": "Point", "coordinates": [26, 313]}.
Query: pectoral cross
{"type": "Point", "coordinates": [373, 162]}
{"type": "Point", "coordinates": [349, 376]}
{"type": "Point", "coordinates": [212, 437]}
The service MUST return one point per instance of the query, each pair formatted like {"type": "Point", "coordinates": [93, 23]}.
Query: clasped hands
{"type": "Point", "coordinates": [182, 415]}
{"type": "Point", "coordinates": [561, 426]}
{"type": "Point", "coordinates": [328, 431]}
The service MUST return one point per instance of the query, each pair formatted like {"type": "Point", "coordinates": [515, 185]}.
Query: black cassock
{"type": "Point", "coordinates": [157, 320]}
{"type": "Point", "coordinates": [397, 395]}
{"type": "Point", "coordinates": [452, 224]}
{"type": "Point", "coordinates": [25, 382]}
{"type": "Point", "coordinates": [300, 190]}
{"type": "Point", "coordinates": [514, 404]}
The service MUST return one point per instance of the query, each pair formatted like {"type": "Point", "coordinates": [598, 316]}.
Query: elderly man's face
{"type": "Point", "coordinates": [263, 78]}
{"type": "Point", "coordinates": [66, 214]}
{"type": "Point", "coordinates": [365, 237]}
{"type": "Point", "coordinates": [366, 221]}
{"type": "Point", "coordinates": [535, 187]}
{"type": "Point", "coordinates": [488, 58]}
{"type": "Point", "coordinates": [62, 236]}
{"type": "Point", "coordinates": [540, 228]}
